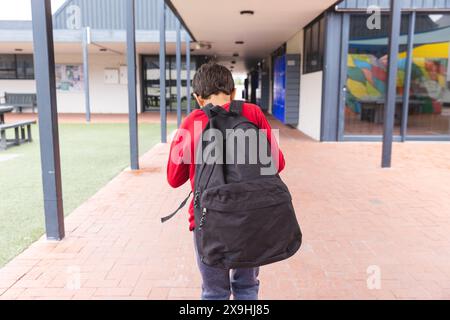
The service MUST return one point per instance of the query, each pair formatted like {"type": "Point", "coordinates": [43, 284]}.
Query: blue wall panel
{"type": "Point", "coordinates": [279, 88]}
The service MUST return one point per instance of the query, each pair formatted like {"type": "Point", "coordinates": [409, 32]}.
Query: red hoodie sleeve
{"type": "Point", "coordinates": [177, 168]}
{"type": "Point", "coordinates": [262, 123]}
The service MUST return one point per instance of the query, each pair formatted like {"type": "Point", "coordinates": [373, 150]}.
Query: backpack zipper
{"type": "Point", "coordinates": [203, 219]}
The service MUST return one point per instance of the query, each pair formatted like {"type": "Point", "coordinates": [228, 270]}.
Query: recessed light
{"type": "Point", "coordinates": [202, 45]}
{"type": "Point", "coordinates": [247, 12]}
{"type": "Point", "coordinates": [18, 50]}
{"type": "Point", "coordinates": [239, 42]}
{"type": "Point", "coordinates": [235, 54]}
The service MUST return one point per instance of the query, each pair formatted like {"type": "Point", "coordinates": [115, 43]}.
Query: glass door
{"type": "Point", "coordinates": [151, 83]}
{"type": "Point", "coordinates": [365, 87]}
{"type": "Point", "coordinates": [150, 79]}
{"type": "Point", "coordinates": [429, 105]}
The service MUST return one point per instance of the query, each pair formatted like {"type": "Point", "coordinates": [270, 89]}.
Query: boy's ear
{"type": "Point", "coordinates": [200, 101]}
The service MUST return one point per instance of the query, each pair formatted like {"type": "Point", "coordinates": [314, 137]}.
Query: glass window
{"type": "Point", "coordinates": [367, 74]}
{"type": "Point", "coordinates": [16, 66]}
{"type": "Point", "coordinates": [314, 46]}
{"type": "Point", "coordinates": [25, 68]}
{"type": "Point", "coordinates": [429, 106]}
{"type": "Point", "coordinates": [151, 82]}
{"type": "Point", "coordinates": [322, 39]}
{"type": "Point", "coordinates": [307, 49]}
{"type": "Point", "coordinates": [7, 66]}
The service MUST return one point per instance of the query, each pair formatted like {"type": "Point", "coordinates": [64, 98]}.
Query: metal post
{"type": "Point", "coordinates": [132, 99]}
{"type": "Point", "coordinates": [407, 82]}
{"type": "Point", "coordinates": [188, 72]}
{"type": "Point", "coordinates": [44, 68]}
{"type": "Point", "coordinates": [162, 69]}
{"type": "Point", "coordinates": [178, 66]}
{"type": "Point", "coordinates": [342, 94]}
{"type": "Point", "coordinates": [86, 42]}
{"type": "Point", "coordinates": [389, 108]}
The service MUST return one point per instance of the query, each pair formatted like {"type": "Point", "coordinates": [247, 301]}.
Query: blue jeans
{"type": "Point", "coordinates": [219, 284]}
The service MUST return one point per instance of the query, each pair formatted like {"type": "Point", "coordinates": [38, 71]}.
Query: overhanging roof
{"type": "Point", "coordinates": [274, 22]}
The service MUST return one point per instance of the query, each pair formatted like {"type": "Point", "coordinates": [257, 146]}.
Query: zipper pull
{"type": "Point", "coordinates": [203, 218]}
{"type": "Point", "coordinates": [197, 199]}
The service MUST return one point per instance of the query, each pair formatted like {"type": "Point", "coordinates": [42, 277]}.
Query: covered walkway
{"type": "Point", "coordinates": [356, 218]}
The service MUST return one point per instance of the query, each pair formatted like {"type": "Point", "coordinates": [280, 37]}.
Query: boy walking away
{"type": "Point", "coordinates": [241, 218]}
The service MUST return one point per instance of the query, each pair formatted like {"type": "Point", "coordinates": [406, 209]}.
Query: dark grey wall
{"type": "Point", "coordinates": [110, 15]}
{"type": "Point", "coordinates": [330, 85]}
{"type": "Point", "coordinates": [292, 106]}
{"type": "Point", "coordinates": [406, 4]}
{"type": "Point", "coordinates": [265, 88]}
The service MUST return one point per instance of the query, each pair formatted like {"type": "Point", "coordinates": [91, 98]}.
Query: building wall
{"type": "Point", "coordinates": [311, 104]}
{"type": "Point", "coordinates": [17, 86]}
{"type": "Point", "coordinates": [332, 76]}
{"type": "Point", "coordinates": [384, 4]}
{"type": "Point", "coordinates": [108, 98]}
{"type": "Point", "coordinates": [104, 98]}
{"type": "Point", "coordinates": [270, 68]}
{"type": "Point", "coordinates": [310, 92]}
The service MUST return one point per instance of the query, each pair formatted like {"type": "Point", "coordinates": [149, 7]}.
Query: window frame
{"type": "Point", "coordinates": [314, 52]}
{"type": "Point", "coordinates": [22, 75]}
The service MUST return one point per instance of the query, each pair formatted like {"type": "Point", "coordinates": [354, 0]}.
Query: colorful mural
{"type": "Point", "coordinates": [367, 77]}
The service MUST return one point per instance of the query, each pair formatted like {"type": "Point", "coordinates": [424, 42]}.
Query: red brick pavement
{"type": "Point", "coordinates": [357, 219]}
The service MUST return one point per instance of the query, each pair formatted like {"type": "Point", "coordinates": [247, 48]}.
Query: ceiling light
{"type": "Point", "coordinates": [239, 42]}
{"type": "Point", "coordinates": [202, 45]}
{"type": "Point", "coordinates": [247, 12]}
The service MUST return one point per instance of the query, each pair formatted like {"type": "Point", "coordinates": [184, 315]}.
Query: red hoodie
{"type": "Point", "coordinates": [179, 172]}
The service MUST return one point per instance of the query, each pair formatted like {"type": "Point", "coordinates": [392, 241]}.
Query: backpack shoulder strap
{"type": "Point", "coordinates": [176, 211]}
{"type": "Point", "coordinates": [211, 110]}
{"type": "Point", "coordinates": [236, 106]}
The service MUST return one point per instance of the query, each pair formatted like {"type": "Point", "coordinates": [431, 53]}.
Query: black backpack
{"type": "Point", "coordinates": [243, 219]}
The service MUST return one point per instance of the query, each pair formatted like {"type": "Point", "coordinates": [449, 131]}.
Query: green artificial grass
{"type": "Point", "coordinates": [91, 155]}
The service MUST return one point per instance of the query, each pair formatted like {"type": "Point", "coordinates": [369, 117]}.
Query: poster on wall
{"type": "Point", "coordinates": [279, 88]}
{"type": "Point", "coordinates": [111, 76]}
{"type": "Point", "coordinates": [69, 78]}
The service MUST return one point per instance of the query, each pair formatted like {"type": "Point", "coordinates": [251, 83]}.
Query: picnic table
{"type": "Point", "coordinates": [20, 136]}
{"type": "Point", "coordinates": [4, 110]}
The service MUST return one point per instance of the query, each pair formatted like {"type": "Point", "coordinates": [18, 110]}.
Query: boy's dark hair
{"type": "Point", "coordinates": [212, 78]}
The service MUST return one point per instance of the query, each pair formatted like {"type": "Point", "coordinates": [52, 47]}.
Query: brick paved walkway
{"type": "Point", "coordinates": [356, 218]}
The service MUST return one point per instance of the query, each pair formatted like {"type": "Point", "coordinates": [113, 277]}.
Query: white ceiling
{"type": "Point", "coordinates": [220, 23]}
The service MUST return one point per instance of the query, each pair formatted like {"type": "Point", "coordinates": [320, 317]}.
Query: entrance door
{"type": "Point", "coordinates": [151, 83]}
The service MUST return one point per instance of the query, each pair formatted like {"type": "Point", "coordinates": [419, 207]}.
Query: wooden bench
{"type": "Point", "coordinates": [19, 133]}
{"type": "Point", "coordinates": [20, 101]}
